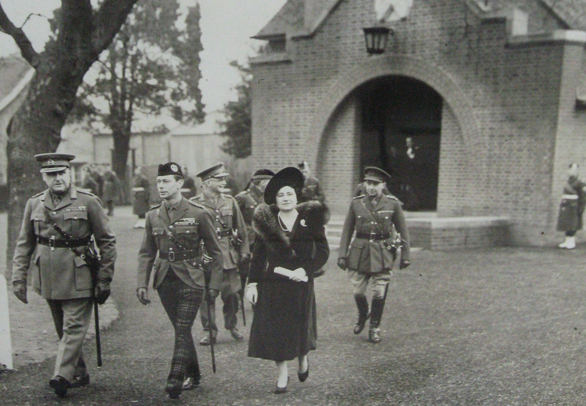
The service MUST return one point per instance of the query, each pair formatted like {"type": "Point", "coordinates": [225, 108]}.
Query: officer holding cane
{"type": "Point", "coordinates": [233, 238]}
{"type": "Point", "coordinates": [173, 232]}
{"type": "Point", "coordinates": [56, 233]}
{"type": "Point", "coordinates": [372, 252]}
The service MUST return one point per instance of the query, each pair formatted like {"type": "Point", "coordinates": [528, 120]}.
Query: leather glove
{"type": "Point", "coordinates": [19, 290]}
{"type": "Point", "coordinates": [102, 294]}
{"type": "Point", "coordinates": [251, 293]}
{"type": "Point", "coordinates": [404, 264]}
{"type": "Point", "coordinates": [343, 263]}
{"type": "Point", "coordinates": [143, 296]}
{"type": "Point", "coordinates": [212, 295]}
{"type": "Point", "coordinates": [244, 264]}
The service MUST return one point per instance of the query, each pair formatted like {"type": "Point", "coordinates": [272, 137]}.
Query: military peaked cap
{"type": "Point", "coordinates": [216, 171]}
{"type": "Point", "coordinates": [52, 162]}
{"type": "Point", "coordinates": [375, 174]}
{"type": "Point", "coordinates": [170, 168]}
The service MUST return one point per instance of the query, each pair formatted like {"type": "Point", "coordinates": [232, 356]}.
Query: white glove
{"type": "Point", "coordinates": [251, 293]}
{"type": "Point", "coordinates": [299, 275]}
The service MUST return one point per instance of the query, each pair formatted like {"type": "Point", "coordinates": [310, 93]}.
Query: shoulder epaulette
{"type": "Point", "coordinates": [193, 203]}
{"type": "Point", "coordinates": [358, 197]}
{"type": "Point", "coordinates": [83, 192]}
{"type": "Point", "coordinates": [392, 197]}
{"type": "Point", "coordinates": [228, 196]}
{"type": "Point", "coordinates": [155, 207]}
{"type": "Point", "coordinates": [37, 195]}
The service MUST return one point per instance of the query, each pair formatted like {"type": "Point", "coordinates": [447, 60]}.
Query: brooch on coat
{"type": "Point", "coordinates": [302, 222]}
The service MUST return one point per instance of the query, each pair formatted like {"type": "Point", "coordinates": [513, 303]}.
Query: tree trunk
{"type": "Point", "coordinates": [120, 158]}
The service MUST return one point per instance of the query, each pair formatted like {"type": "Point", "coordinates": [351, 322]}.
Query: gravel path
{"type": "Point", "coordinates": [484, 327]}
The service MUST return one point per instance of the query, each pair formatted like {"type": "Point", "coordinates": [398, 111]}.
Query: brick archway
{"type": "Point", "coordinates": [395, 65]}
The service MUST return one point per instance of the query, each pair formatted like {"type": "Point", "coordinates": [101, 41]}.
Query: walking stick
{"type": "Point", "coordinates": [207, 273]}
{"type": "Point", "coordinates": [93, 260]}
{"type": "Point", "coordinates": [242, 286]}
{"type": "Point", "coordinates": [97, 326]}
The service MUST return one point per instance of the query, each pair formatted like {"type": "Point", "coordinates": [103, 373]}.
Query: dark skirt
{"type": "Point", "coordinates": [284, 325]}
{"type": "Point", "coordinates": [569, 219]}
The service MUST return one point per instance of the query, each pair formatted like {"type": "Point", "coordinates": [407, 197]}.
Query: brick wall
{"type": "Point", "coordinates": [509, 123]}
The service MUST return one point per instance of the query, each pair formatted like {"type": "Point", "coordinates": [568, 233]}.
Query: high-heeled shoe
{"type": "Point", "coordinates": [278, 390]}
{"type": "Point", "coordinates": [303, 375]}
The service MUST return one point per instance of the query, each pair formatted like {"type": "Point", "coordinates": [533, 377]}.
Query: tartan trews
{"type": "Point", "coordinates": [181, 303]}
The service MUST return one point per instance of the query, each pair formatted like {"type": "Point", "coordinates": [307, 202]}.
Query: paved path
{"type": "Point", "coordinates": [486, 327]}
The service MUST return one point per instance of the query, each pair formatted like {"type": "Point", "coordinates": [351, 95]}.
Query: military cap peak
{"type": "Point", "coordinates": [52, 162]}
{"type": "Point", "coordinates": [358, 197]}
{"type": "Point", "coordinates": [215, 171]}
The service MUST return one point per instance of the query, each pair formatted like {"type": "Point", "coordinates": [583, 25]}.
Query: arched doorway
{"type": "Point", "coordinates": [400, 131]}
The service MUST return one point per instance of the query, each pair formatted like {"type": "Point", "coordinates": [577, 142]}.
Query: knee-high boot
{"type": "Point", "coordinates": [376, 314]}
{"type": "Point", "coordinates": [363, 315]}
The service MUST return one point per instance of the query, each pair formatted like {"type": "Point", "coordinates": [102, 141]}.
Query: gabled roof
{"type": "Point", "coordinates": [15, 73]}
{"type": "Point", "coordinates": [290, 19]}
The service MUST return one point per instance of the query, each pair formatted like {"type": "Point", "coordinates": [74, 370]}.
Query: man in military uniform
{"type": "Point", "coordinates": [174, 230]}
{"type": "Point", "coordinates": [57, 229]}
{"type": "Point", "coordinates": [231, 232]}
{"type": "Point", "coordinates": [311, 188]}
{"type": "Point", "coordinates": [372, 252]}
{"type": "Point", "coordinates": [247, 202]}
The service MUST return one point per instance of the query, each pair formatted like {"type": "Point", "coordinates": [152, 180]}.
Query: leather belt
{"type": "Point", "coordinates": [54, 243]}
{"type": "Point", "coordinates": [173, 256]}
{"type": "Point", "coordinates": [374, 236]}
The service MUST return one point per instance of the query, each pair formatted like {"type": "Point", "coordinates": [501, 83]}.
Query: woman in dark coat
{"type": "Point", "coordinates": [142, 193]}
{"type": "Point", "coordinates": [291, 246]}
{"type": "Point", "coordinates": [572, 207]}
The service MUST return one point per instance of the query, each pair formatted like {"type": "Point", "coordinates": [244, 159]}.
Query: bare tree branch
{"type": "Point", "coordinates": [109, 19]}
{"type": "Point", "coordinates": [26, 48]}
{"type": "Point", "coordinates": [33, 15]}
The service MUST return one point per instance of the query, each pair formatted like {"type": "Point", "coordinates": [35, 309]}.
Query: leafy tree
{"type": "Point", "coordinates": [82, 34]}
{"type": "Point", "coordinates": [238, 124]}
{"type": "Point", "coordinates": [151, 67]}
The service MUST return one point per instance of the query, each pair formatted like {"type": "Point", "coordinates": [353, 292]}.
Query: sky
{"type": "Point", "coordinates": [226, 25]}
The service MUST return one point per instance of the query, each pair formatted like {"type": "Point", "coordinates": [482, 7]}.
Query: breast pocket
{"type": "Point", "coordinates": [355, 254]}
{"type": "Point", "coordinates": [158, 234]}
{"type": "Point", "coordinates": [76, 223]}
{"type": "Point", "coordinates": [187, 236]}
{"type": "Point", "coordinates": [38, 218]}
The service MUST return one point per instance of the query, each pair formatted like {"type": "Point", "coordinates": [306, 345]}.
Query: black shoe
{"type": "Point", "coordinates": [191, 383]}
{"type": "Point", "coordinates": [278, 390]}
{"type": "Point", "coordinates": [59, 385]}
{"type": "Point", "coordinates": [236, 334]}
{"type": "Point", "coordinates": [173, 390]}
{"type": "Point", "coordinates": [304, 375]}
{"type": "Point", "coordinates": [80, 380]}
{"type": "Point", "coordinates": [206, 340]}
{"type": "Point", "coordinates": [374, 335]}
{"type": "Point", "coordinates": [360, 324]}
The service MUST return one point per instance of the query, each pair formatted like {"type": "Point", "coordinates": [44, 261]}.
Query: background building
{"type": "Point", "coordinates": [488, 92]}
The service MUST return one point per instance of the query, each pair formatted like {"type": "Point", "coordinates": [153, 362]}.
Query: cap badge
{"type": "Point", "coordinates": [51, 162]}
{"type": "Point", "coordinates": [174, 168]}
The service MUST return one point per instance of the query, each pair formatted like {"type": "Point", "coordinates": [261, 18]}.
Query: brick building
{"type": "Point", "coordinates": [489, 91]}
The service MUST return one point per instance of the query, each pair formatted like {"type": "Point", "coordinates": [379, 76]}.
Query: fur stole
{"type": "Point", "coordinates": [266, 223]}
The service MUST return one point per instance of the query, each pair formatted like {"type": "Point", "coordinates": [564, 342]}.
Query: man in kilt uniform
{"type": "Point", "coordinates": [174, 231]}
{"type": "Point", "coordinates": [372, 252]}
{"type": "Point", "coordinates": [57, 229]}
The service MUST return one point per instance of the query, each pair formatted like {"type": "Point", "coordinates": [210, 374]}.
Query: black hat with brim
{"type": "Point", "coordinates": [289, 176]}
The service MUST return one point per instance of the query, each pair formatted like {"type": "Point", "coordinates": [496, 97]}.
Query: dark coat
{"type": "Point", "coordinates": [312, 191]}
{"type": "Point", "coordinates": [572, 205]}
{"type": "Point", "coordinates": [111, 188]}
{"type": "Point", "coordinates": [284, 324]}
{"type": "Point", "coordinates": [141, 194]}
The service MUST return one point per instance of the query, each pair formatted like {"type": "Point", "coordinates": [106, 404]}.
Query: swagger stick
{"type": "Point", "coordinates": [207, 273]}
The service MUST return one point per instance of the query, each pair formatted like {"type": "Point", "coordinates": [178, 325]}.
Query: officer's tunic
{"type": "Point", "coordinates": [60, 275]}
{"type": "Point", "coordinates": [369, 251]}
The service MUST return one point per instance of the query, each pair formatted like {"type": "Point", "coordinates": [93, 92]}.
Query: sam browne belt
{"type": "Point", "coordinates": [374, 236]}
{"type": "Point", "coordinates": [172, 256]}
{"type": "Point", "coordinates": [54, 243]}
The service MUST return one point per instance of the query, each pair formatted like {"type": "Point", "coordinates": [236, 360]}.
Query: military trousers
{"type": "Point", "coordinates": [229, 293]}
{"type": "Point", "coordinates": [181, 303]}
{"type": "Point", "coordinates": [72, 320]}
{"type": "Point", "coordinates": [378, 282]}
